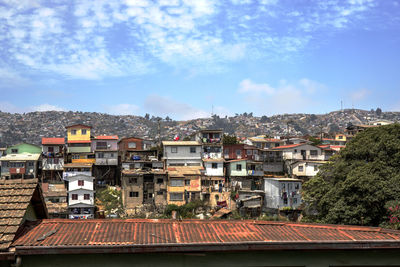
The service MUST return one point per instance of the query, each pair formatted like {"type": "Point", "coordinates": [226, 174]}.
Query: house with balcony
{"type": "Point", "coordinates": [80, 190]}
{"type": "Point", "coordinates": [143, 187]}
{"type": "Point", "coordinates": [184, 184]}
{"type": "Point", "coordinates": [282, 193]}
{"type": "Point", "coordinates": [211, 141]}
{"type": "Point", "coordinates": [182, 153]}
{"type": "Point", "coordinates": [105, 148]}
{"type": "Point", "coordinates": [79, 144]}
{"type": "Point", "coordinates": [52, 159]}
{"type": "Point", "coordinates": [127, 145]}
{"type": "Point", "coordinates": [20, 166]}
{"type": "Point", "coordinates": [263, 142]}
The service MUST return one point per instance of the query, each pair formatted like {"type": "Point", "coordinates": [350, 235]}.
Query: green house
{"type": "Point", "coordinates": [24, 148]}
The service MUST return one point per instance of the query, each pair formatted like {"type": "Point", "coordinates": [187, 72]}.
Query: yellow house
{"type": "Point", "coordinates": [79, 143]}
{"type": "Point", "coordinates": [184, 184]}
{"type": "Point", "coordinates": [340, 137]}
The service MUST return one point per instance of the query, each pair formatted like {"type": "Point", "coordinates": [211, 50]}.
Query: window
{"type": "Point", "coordinates": [111, 155]}
{"type": "Point", "coordinates": [101, 145]}
{"type": "Point", "coordinates": [249, 152]}
{"type": "Point", "coordinates": [340, 136]}
{"type": "Point", "coordinates": [133, 194]}
{"type": "Point", "coordinates": [174, 149]}
{"type": "Point", "coordinates": [131, 145]}
{"type": "Point", "coordinates": [160, 180]}
{"type": "Point", "coordinates": [238, 152]}
{"type": "Point", "coordinates": [285, 201]}
{"type": "Point", "coordinates": [176, 196]}
{"type": "Point", "coordinates": [133, 180]}
{"type": "Point", "coordinates": [226, 151]}
{"type": "Point", "coordinates": [50, 149]}
{"type": "Point", "coordinates": [81, 182]}
{"type": "Point", "coordinates": [55, 160]}
{"type": "Point", "coordinates": [187, 182]}
{"type": "Point", "coordinates": [176, 182]}
{"type": "Point", "coordinates": [74, 196]}
{"type": "Point", "coordinates": [296, 186]}
{"type": "Point", "coordinates": [73, 132]}
{"type": "Point", "coordinates": [301, 168]}
{"type": "Point", "coordinates": [294, 200]}
{"type": "Point", "coordinates": [238, 167]}
{"type": "Point", "coordinates": [83, 131]}
{"type": "Point", "coordinates": [14, 150]}
{"type": "Point", "coordinates": [30, 164]}
{"type": "Point", "coordinates": [214, 165]}
{"type": "Point", "coordinates": [159, 193]}
{"type": "Point", "coordinates": [193, 164]}
{"type": "Point", "coordinates": [75, 156]}
{"type": "Point", "coordinates": [86, 196]}
{"type": "Point", "coordinates": [192, 149]}
{"type": "Point", "coordinates": [313, 152]}
{"type": "Point", "coordinates": [295, 151]}
{"type": "Point", "coordinates": [100, 155]}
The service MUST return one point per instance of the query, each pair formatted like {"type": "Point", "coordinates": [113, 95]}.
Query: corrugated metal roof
{"type": "Point", "coordinates": [181, 143]}
{"type": "Point", "coordinates": [186, 170]}
{"type": "Point", "coordinates": [53, 141]}
{"type": "Point", "coordinates": [107, 137]}
{"type": "Point", "coordinates": [20, 157]}
{"type": "Point", "coordinates": [66, 234]}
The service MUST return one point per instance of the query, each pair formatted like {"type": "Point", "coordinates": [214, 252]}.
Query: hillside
{"type": "Point", "coordinates": [31, 127]}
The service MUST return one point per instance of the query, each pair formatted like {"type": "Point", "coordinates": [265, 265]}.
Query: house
{"type": "Point", "coordinates": [79, 144]}
{"type": "Point", "coordinates": [199, 243]}
{"type": "Point", "coordinates": [244, 174]}
{"type": "Point", "coordinates": [106, 164]}
{"type": "Point", "coordinates": [20, 166]}
{"type": "Point", "coordinates": [55, 196]}
{"type": "Point", "coordinates": [184, 184]}
{"type": "Point", "coordinates": [211, 141]}
{"type": "Point", "coordinates": [303, 152]}
{"type": "Point", "coordinates": [22, 148]}
{"type": "Point", "coordinates": [182, 153]}
{"type": "Point", "coordinates": [305, 169]}
{"type": "Point", "coordinates": [242, 151]}
{"type": "Point", "coordinates": [21, 202]}
{"type": "Point", "coordinates": [80, 190]}
{"type": "Point", "coordinates": [127, 145]}
{"type": "Point", "coordinates": [142, 159]}
{"type": "Point", "coordinates": [282, 193]}
{"type": "Point", "coordinates": [141, 187]}
{"type": "Point", "coordinates": [273, 161]}
{"type": "Point", "coordinates": [52, 158]}
{"type": "Point", "coordinates": [263, 142]}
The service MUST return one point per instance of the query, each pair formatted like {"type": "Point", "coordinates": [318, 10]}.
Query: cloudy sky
{"type": "Point", "coordinates": [185, 58]}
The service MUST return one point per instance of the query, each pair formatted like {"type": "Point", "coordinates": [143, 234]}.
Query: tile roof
{"type": "Point", "coordinates": [171, 235]}
{"type": "Point", "coordinates": [107, 137]}
{"type": "Point", "coordinates": [288, 146]}
{"type": "Point", "coordinates": [53, 141]}
{"type": "Point", "coordinates": [14, 200]}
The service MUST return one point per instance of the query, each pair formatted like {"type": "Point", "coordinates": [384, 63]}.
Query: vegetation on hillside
{"type": "Point", "coordinates": [360, 184]}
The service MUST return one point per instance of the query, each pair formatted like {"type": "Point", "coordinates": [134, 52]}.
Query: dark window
{"type": "Point", "coordinates": [50, 149]}
{"type": "Point", "coordinates": [176, 196]}
{"type": "Point", "coordinates": [74, 196]}
{"type": "Point", "coordinates": [101, 145]}
{"type": "Point", "coordinates": [192, 149]}
{"type": "Point", "coordinates": [160, 193]}
{"type": "Point", "coordinates": [133, 180]}
{"type": "Point", "coordinates": [238, 167]}
{"type": "Point", "coordinates": [238, 152]}
{"type": "Point", "coordinates": [81, 182]}
{"type": "Point", "coordinates": [73, 132]}
{"type": "Point", "coordinates": [55, 160]}
{"type": "Point", "coordinates": [313, 152]}
{"type": "Point", "coordinates": [133, 194]}
{"type": "Point", "coordinates": [214, 165]}
{"type": "Point", "coordinates": [160, 180]}
{"type": "Point", "coordinates": [301, 168]}
{"type": "Point", "coordinates": [174, 149]}
{"type": "Point", "coordinates": [86, 196]}
{"type": "Point", "coordinates": [14, 150]}
{"type": "Point", "coordinates": [187, 182]}
{"type": "Point", "coordinates": [83, 131]}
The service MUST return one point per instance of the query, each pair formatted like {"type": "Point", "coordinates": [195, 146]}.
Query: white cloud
{"type": "Point", "coordinates": [122, 109]}
{"type": "Point", "coordinates": [360, 94]}
{"type": "Point", "coordinates": [47, 107]}
{"type": "Point", "coordinates": [247, 86]}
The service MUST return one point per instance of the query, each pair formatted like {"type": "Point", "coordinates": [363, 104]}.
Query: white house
{"type": "Point", "coordinates": [282, 192]}
{"type": "Point", "coordinates": [214, 167]}
{"type": "Point", "coordinates": [306, 169]}
{"type": "Point", "coordinates": [304, 152]}
{"type": "Point", "coordinates": [81, 197]}
{"type": "Point", "coordinates": [182, 153]}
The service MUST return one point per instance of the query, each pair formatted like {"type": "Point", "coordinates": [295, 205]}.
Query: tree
{"type": "Point", "coordinates": [111, 199]}
{"type": "Point", "coordinates": [355, 185]}
{"type": "Point", "coordinates": [147, 116]}
{"type": "Point", "coordinates": [315, 141]}
{"type": "Point", "coordinates": [229, 140]}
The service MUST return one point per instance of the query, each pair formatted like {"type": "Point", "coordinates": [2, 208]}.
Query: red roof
{"type": "Point", "coordinates": [288, 146]}
{"type": "Point", "coordinates": [172, 235]}
{"type": "Point", "coordinates": [53, 141]}
{"type": "Point", "coordinates": [107, 137]}
{"type": "Point", "coordinates": [78, 141]}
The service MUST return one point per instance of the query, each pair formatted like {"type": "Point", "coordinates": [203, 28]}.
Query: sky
{"type": "Point", "coordinates": [192, 58]}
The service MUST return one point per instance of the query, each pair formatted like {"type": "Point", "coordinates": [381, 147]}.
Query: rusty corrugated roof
{"type": "Point", "coordinates": [139, 233]}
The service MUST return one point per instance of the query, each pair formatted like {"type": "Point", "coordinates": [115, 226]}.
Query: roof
{"type": "Point", "coordinates": [20, 157]}
{"type": "Point", "coordinates": [107, 137]}
{"type": "Point", "coordinates": [290, 146]}
{"type": "Point", "coordinates": [186, 170]}
{"type": "Point", "coordinates": [181, 143]}
{"type": "Point", "coordinates": [143, 171]}
{"type": "Point", "coordinates": [76, 125]}
{"type": "Point", "coordinates": [214, 160]}
{"type": "Point", "coordinates": [15, 197]}
{"type": "Point", "coordinates": [78, 165]}
{"type": "Point", "coordinates": [64, 236]}
{"type": "Point", "coordinates": [283, 179]}
{"type": "Point", "coordinates": [263, 140]}
{"type": "Point", "coordinates": [79, 141]}
{"type": "Point", "coordinates": [53, 141]}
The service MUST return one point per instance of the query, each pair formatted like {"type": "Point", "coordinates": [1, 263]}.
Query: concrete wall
{"type": "Point", "coordinates": [274, 190]}
{"type": "Point", "coordinates": [232, 168]}
{"type": "Point", "coordinates": [219, 171]}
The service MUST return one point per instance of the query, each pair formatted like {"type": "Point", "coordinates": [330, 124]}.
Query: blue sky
{"type": "Point", "coordinates": [183, 57]}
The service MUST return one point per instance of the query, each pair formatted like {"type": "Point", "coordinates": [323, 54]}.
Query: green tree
{"type": "Point", "coordinates": [111, 199]}
{"type": "Point", "coordinates": [315, 141]}
{"type": "Point", "coordinates": [229, 140]}
{"type": "Point", "coordinates": [355, 185]}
